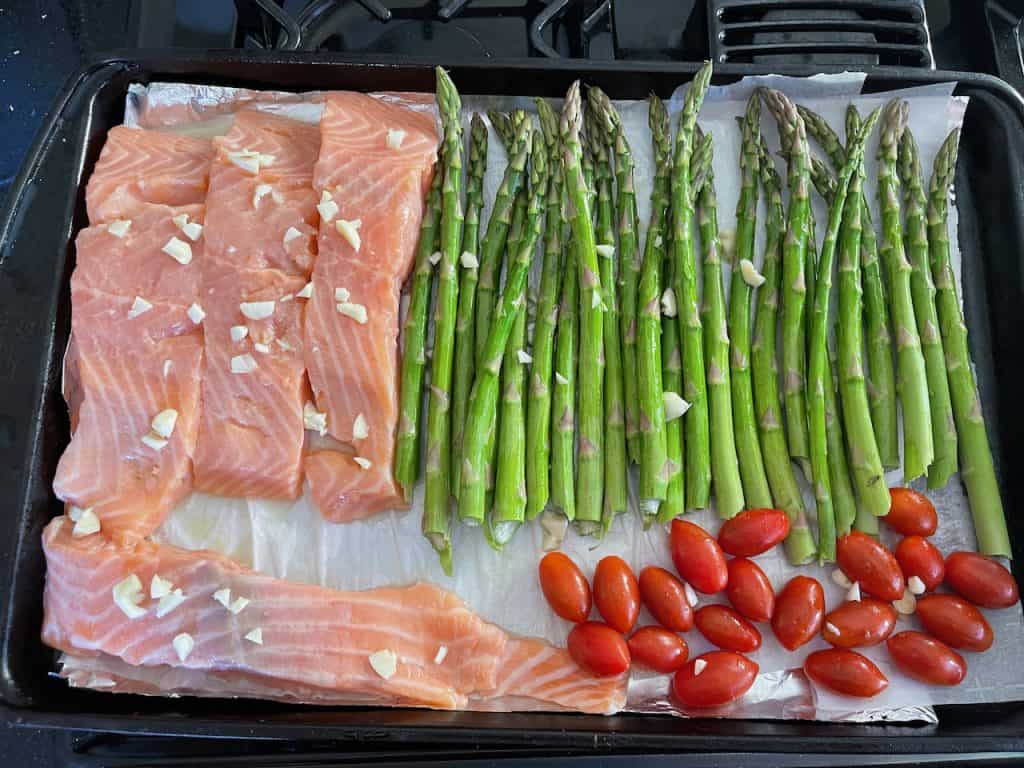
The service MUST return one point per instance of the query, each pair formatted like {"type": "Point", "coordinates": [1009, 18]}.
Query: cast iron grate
{"type": "Point", "coordinates": [824, 32]}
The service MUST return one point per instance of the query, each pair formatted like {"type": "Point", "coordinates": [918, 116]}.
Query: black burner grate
{"type": "Point", "coordinates": [824, 32]}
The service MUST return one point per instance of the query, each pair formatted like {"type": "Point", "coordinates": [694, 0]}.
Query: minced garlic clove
{"type": "Point", "coordinates": [255, 636]}
{"type": "Point", "coordinates": [119, 227]}
{"type": "Point", "coordinates": [196, 314]}
{"type": "Point", "coordinates": [257, 310]}
{"type": "Point", "coordinates": [239, 332]}
{"type": "Point", "coordinates": [86, 524]}
{"type": "Point", "coordinates": [154, 442]}
{"type": "Point", "coordinates": [360, 429]}
{"type": "Point", "coordinates": [169, 602]}
{"type": "Point", "coordinates": [349, 229]}
{"type": "Point", "coordinates": [158, 587]}
{"type": "Point", "coordinates": [163, 423]}
{"type": "Point", "coordinates": [313, 419]}
{"type": "Point", "coordinates": [675, 406]}
{"type": "Point", "coordinates": [183, 645]}
{"type": "Point", "coordinates": [178, 250]}
{"type": "Point", "coordinates": [139, 306]}
{"type": "Point", "coordinates": [384, 662]}
{"type": "Point", "coordinates": [127, 596]}
{"type": "Point", "coordinates": [243, 364]}
{"type": "Point", "coordinates": [364, 463]}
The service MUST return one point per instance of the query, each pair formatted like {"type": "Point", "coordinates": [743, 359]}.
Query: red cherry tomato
{"type": "Point", "coordinates": [911, 513]}
{"type": "Point", "coordinates": [724, 627]}
{"type": "Point", "coordinates": [665, 597]}
{"type": "Point", "coordinates": [926, 659]}
{"type": "Point", "coordinates": [753, 532]}
{"type": "Point", "coordinates": [565, 587]}
{"type": "Point", "coordinates": [919, 557]}
{"type": "Point", "coordinates": [845, 672]}
{"type": "Point", "coordinates": [616, 593]}
{"type": "Point", "coordinates": [723, 677]}
{"type": "Point", "coordinates": [857, 624]}
{"type": "Point", "coordinates": [749, 590]}
{"type": "Point", "coordinates": [799, 609]}
{"type": "Point", "coordinates": [866, 561]}
{"type": "Point", "coordinates": [698, 558]}
{"type": "Point", "coordinates": [658, 649]}
{"type": "Point", "coordinates": [599, 649]}
{"type": "Point", "coordinates": [955, 622]}
{"type": "Point", "coordinates": [981, 580]}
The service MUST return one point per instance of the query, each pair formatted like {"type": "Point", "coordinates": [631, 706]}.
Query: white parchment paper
{"type": "Point", "coordinates": [291, 541]}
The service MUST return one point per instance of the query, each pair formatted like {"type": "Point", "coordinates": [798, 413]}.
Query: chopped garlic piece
{"type": "Point", "coordinates": [328, 209]}
{"type": "Point", "coordinates": [605, 250]}
{"type": "Point", "coordinates": [183, 645]}
{"type": "Point", "coordinates": [290, 234]}
{"type": "Point", "coordinates": [698, 666]}
{"type": "Point", "coordinates": [364, 463]}
{"type": "Point", "coordinates": [156, 443]}
{"type": "Point", "coordinates": [669, 308]}
{"type": "Point", "coordinates": [342, 294]}
{"type": "Point", "coordinates": [261, 191]}
{"type": "Point", "coordinates": [180, 220]}
{"type": "Point", "coordinates": [356, 311]}
{"type": "Point", "coordinates": [314, 419]}
{"type": "Point", "coordinates": [442, 653]}
{"type": "Point", "coordinates": [119, 227]}
{"type": "Point", "coordinates": [395, 138]}
{"type": "Point", "coordinates": [243, 364]}
{"type": "Point", "coordinates": [169, 602]}
{"type": "Point", "coordinates": [238, 605]}
{"type": "Point", "coordinates": [86, 524]}
{"type": "Point", "coordinates": [267, 160]}
{"type": "Point", "coordinates": [167, 367]}
{"type": "Point", "coordinates": [239, 332]}
{"type": "Point", "coordinates": [523, 356]}
{"type": "Point", "coordinates": [163, 423]}
{"type": "Point", "coordinates": [914, 584]}
{"type": "Point", "coordinates": [195, 314]}
{"type": "Point", "coordinates": [350, 231]}
{"type": "Point", "coordinates": [178, 250]}
{"type": "Point", "coordinates": [192, 230]}
{"type": "Point", "coordinates": [284, 345]}
{"type": "Point", "coordinates": [360, 429]}
{"type": "Point", "coordinates": [675, 406]}
{"type": "Point", "coordinates": [255, 636]}
{"type": "Point", "coordinates": [595, 300]}
{"type": "Point", "coordinates": [469, 260]}
{"type": "Point", "coordinates": [434, 258]}
{"type": "Point", "coordinates": [247, 160]}
{"type": "Point", "coordinates": [384, 663]}
{"type": "Point", "coordinates": [159, 587]}
{"type": "Point", "coordinates": [841, 579]}
{"type": "Point", "coordinates": [306, 292]}
{"type": "Point", "coordinates": [257, 310]}
{"type": "Point", "coordinates": [907, 604]}
{"type": "Point", "coordinates": [830, 627]}
{"type": "Point", "coordinates": [75, 513]}
{"type": "Point", "coordinates": [853, 594]}
{"type": "Point", "coordinates": [128, 595]}
{"type": "Point", "coordinates": [263, 349]}
{"type": "Point", "coordinates": [561, 379]}
{"type": "Point", "coordinates": [223, 596]}
{"type": "Point", "coordinates": [691, 595]}
{"type": "Point", "coordinates": [287, 297]}
{"type": "Point", "coordinates": [751, 276]}
{"type": "Point", "coordinates": [139, 306]}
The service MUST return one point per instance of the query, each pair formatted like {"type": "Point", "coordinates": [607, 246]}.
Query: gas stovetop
{"type": "Point", "coordinates": [42, 42]}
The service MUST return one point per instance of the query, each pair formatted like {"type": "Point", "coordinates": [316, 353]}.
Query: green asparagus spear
{"type": "Point", "coordinates": [748, 449]}
{"type": "Point", "coordinates": [436, 507]}
{"type": "Point", "coordinates": [563, 399]}
{"type": "Point", "coordinates": [674, 503]}
{"type": "Point", "coordinates": [484, 396]}
{"type": "Point", "coordinates": [818, 362]}
{"type": "Point", "coordinates": [912, 384]}
{"type": "Point", "coordinates": [696, 426]}
{"type": "Point", "coordinates": [799, 545]}
{"type": "Point", "coordinates": [615, 459]}
{"type": "Point", "coordinates": [495, 237]}
{"type": "Point", "coordinates": [725, 471]}
{"type": "Point", "coordinates": [630, 259]}
{"type": "Point", "coordinates": [976, 468]}
{"type": "Point", "coordinates": [923, 292]}
{"type": "Point", "coordinates": [655, 467]}
{"type": "Point", "coordinates": [794, 273]}
{"type": "Point", "coordinates": [881, 379]}
{"type": "Point", "coordinates": [590, 469]}
{"type": "Point", "coordinates": [865, 461]}
{"type": "Point", "coordinates": [465, 346]}
{"type": "Point", "coordinates": [538, 404]}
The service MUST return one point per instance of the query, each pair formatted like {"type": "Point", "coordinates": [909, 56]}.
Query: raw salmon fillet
{"type": "Point", "coordinates": [315, 644]}
{"type": "Point", "coordinates": [129, 370]}
{"type": "Point", "coordinates": [353, 364]}
{"type": "Point", "coordinates": [123, 370]}
{"type": "Point", "coordinates": [251, 437]}
{"type": "Point", "coordinates": [138, 167]}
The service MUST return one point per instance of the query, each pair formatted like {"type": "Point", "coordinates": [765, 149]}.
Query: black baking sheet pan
{"type": "Point", "coordinates": [46, 208]}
